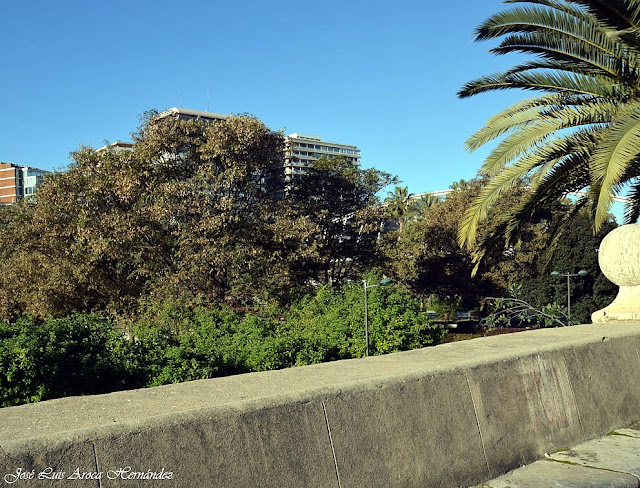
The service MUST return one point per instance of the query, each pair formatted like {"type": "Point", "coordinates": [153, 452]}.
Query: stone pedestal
{"type": "Point", "coordinates": [619, 259]}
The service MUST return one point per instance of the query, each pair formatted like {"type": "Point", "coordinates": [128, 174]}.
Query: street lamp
{"type": "Point", "coordinates": [383, 282]}
{"type": "Point", "coordinates": [556, 274]}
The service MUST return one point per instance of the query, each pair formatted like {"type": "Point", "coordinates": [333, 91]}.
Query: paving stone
{"type": "Point", "coordinates": [628, 432]}
{"type": "Point", "coordinates": [552, 474]}
{"type": "Point", "coordinates": [613, 452]}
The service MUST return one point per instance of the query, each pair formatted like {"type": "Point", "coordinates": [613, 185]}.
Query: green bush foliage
{"type": "Point", "coordinates": [185, 342]}
{"type": "Point", "coordinates": [176, 341]}
{"type": "Point", "coordinates": [75, 355]}
{"type": "Point", "coordinates": [331, 323]}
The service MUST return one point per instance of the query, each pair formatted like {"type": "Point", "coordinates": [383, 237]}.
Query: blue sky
{"type": "Point", "coordinates": [381, 75]}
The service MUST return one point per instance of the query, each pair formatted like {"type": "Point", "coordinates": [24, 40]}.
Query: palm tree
{"type": "Point", "coordinates": [421, 204]}
{"type": "Point", "coordinates": [398, 204]}
{"type": "Point", "coordinates": [581, 130]}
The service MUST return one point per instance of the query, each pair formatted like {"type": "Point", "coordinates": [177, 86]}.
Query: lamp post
{"type": "Point", "coordinates": [557, 274]}
{"type": "Point", "coordinates": [383, 282]}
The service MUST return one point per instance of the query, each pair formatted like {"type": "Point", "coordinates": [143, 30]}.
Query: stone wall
{"type": "Point", "coordinates": [451, 415]}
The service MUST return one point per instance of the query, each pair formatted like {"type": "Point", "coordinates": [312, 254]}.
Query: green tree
{"type": "Point", "coordinates": [236, 238]}
{"type": "Point", "coordinates": [421, 205]}
{"type": "Point", "coordinates": [398, 204]}
{"type": "Point", "coordinates": [193, 210]}
{"type": "Point", "coordinates": [582, 131]}
{"type": "Point", "coordinates": [180, 341]}
{"type": "Point", "coordinates": [574, 249]}
{"type": "Point", "coordinates": [340, 202]}
{"type": "Point", "coordinates": [426, 256]}
{"type": "Point", "coordinates": [401, 206]}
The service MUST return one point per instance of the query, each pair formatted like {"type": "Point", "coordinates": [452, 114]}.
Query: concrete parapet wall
{"type": "Point", "coordinates": [451, 415]}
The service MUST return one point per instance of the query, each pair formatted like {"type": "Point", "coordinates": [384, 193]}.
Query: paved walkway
{"type": "Point", "coordinates": [612, 461]}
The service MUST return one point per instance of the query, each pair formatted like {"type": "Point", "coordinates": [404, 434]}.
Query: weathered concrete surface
{"type": "Point", "coordinates": [624, 307]}
{"type": "Point", "coordinates": [611, 461]}
{"type": "Point", "coordinates": [383, 435]}
{"type": "Point", "coordinates": [549, 474]}
{"type": "Point", "coordinates": [452, 415]}
{"type": "Point", "coordinates": [615, 452]}
{"type": "Point", "coordinates": [524, 404]}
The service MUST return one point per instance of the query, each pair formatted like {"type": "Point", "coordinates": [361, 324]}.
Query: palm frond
{"type": "Point", "coordinates": [557, 176]}
{"type": "Point", "coordinates": [556, 82]}
{"type": "Point", "coordinates": [619, 147]}
{"type": "Point", "coordinates": [555, 16]}
{"type": "Point", "coordinates": [479, 211]}
{"type": "Point", "coordinates": [517, 144]}
{"type": "Point", "coordinates": [583, 128]}
{"type": "Point", "coordinates": [579, 143]}
{"type": "Point", "coordinates": [619, 89]}
{"type": "Point", "coordinates": [514, 117]}
{"type": "Point", "coordinates": [619, 14]}
{"type": "Point", "coordinates": [550, 46]}
{"type": "Point", "coordinates": [537, 134]}
{"type": "Point", "coordinates": [568, 176]}
{"type": "Point", "coordinates": [524, 113]}
{"type": "Point", "coordinates": [632, 209]}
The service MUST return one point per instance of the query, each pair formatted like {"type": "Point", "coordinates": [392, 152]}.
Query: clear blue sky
{"type": "Point", "coordinates": [378, 74]}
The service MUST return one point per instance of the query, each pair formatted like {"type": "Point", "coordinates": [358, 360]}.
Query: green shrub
{"type": "Point", "coordinates": [175, 341]}
{"type": "Point", "coordinates": [76, 355]}
{"type": "Point", "coordinates": [331, 323]}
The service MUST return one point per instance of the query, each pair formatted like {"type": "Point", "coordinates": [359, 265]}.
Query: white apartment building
{"type": "Point", "coordinates": [302, 149]}
{"type": "Point", "coordinates": [188, 114]}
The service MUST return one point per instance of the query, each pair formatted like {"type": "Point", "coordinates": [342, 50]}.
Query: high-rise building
{"type": "Point", "coordinates": [175, 112]}
{"type": "Point", "coordinates": [17, 182]}
{"type": "Point", "coordinates": [301, 150]}
{"type": "Point", "coordinates": [188, 114]}
{"type": "Point", "coordinates": [117, 147]}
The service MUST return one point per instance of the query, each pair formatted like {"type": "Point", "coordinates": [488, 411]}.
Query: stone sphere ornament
{"type": "Point", "coordinates": [619, 259]}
